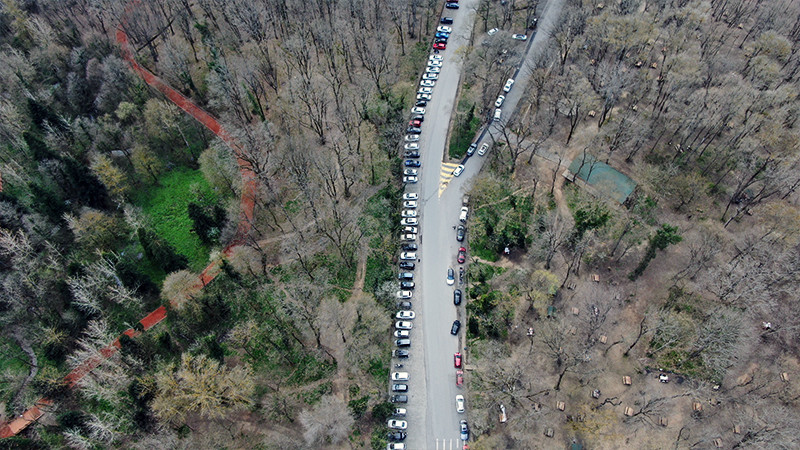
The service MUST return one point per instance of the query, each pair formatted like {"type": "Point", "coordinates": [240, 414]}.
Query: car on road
{"type": "Point", "coordinates": [403, 342]}
{"type": "Point", "coordinates": [408, 256]}
{"type": "Point", "coordinates": [498, 114]}
{"type": "Point", "coordinates": [412, 146]}
{"type": "Point", "coordinates": [457, 297]}
{"type": "Point", "coordinates": [472, 148]}
{"type": "Point", "coordinates": [412, 154]}
{"type": "Point", "coordinates": [405, 315]}
{"type": "Point", "coordinates": [421, 103]}
{"type": "Point", "coordinates": [442, 34]}
{"type": "Point", "coordinates": [493, 31]}
{"type": "Point", "coordinates": [519, 37]}
{"type": "Point", "coordinates": [430, 78]}
{"type": "Point", "coordinates": [456, 326]}
{"type": "Point", "coordinates": [444, 29]}
{"type": "Point", "coordinates": [460, 231]}
{"type": "Point", "coordinates": [460, 403]}
{"type": "Point", "coordinates": [440, 46]}
{"type": "Point", "coordinates": [462, 255]}
{"type": "Point", "coordinates": [410, 204]}
{"type": "Point", "coordinates": [405, 275]}
{"type": "Point", "coordinates": [410, 221]}
{"type": "Point", "coordinates": [400, 388]}
{"type": "Point", "coordinates": [425, 90]}
{"type": "Point", "coordinates": [446, 20]}
{"type": "Point", "coordinates": [407, 265]}
{"type": "Point", "coordinates": [399, 399]}
{"type": "Point", "coordinates": [418, 110]}
{"type": "Point", "coordinates": [499, 102]}
{"type": "Point", "coordinates": [435, 64]}
{"type": "Point", "coordinates": [411, 172]}
{"type": "Point", "coordinates": [396, 436]}
{"type": "Point", "coordinates": [426, 97]}
{"type": "Point", "coordinates": [410, 247]}
{"type": "Point", "coordinates": [404, 294]}
{"type": "Point", "coordinates": [402, 333]}
{"type": "Point", "coordinates": [400, 412]}
{"type": "Point", "coordinates": [457, 360]}
{"type": "Point", "coordinates": [458, 170]}
{"type": "Point", "coordinates": [435, 57]}
{"type": "Point", "coordinates": [459, 377]}
{"type": "Point", "coordinates": [395, 446]}
{"type": "Point", "coordinates": [484, 148]}
{"type": "Point", "coordinates": [410, 180]}
{"type": "Point", "coordinates": [413, 130]}
{"type": "Point", "coordinates": [450, 277]}
{"type": "Point", "coordinates": [399, 376]}
{"type": "Point", "coordinates": [403, 325]}
{"type": "Point", "coordinates": [414, 230]}
{"type": "Point", "coordinates": [464, 431]}
{"type": "Point", "coordinates": [412, 138]}
{"type": "Point", "coordinates": [404, 305]}
{"type": "Point", "coordinates": [433, 70]}
{"type": "Point", "coordinates": [395, 424]}
{"type": "Point", "coordinates": [464, 214]}
{"type": "Point", "coordinates": [408, 213]}
{"type": "Point", "coordinates": [509, 84]}
{"type": "Point", "coordinates": [410, 196]}
{"type": "Point", "coordinates": [427, 82]}
{"type": "Point", "coordinates": [412, 163]}
{"type": "Point", "coordinates": [440, 41]}
{"type": "Point", "coordinates": [451, 5]}
{"type": "Point", "coordinates": [400, 353]}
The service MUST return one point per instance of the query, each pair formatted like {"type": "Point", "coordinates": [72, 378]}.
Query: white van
{"type": "Point", "coordinates": [464, 213]}
{"type": "Point", "coordinates": [497, 113]}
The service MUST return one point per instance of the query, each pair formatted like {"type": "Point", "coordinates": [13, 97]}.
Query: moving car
{"type": "Point", "coordinates": [457, 360]}
{"type": "Point", "coordinates": [444, 29]}
{"type": "Point", "coordinates": [460, 403]}
{"type": "Point", "coordinates": [464, 431]}
{"type": "Point", "coordinates": [405, 315]}
{"type": "Point", "coordinates": [399, 399]}
{"type": "Point", "coordinates": [484, 148]}
{"type": "Point", "coordinates": [446, 20]}
{"type": "Point", "coordinates": [472, 148]}
{"type": "Point", "coordinates": [461, 230]}
{"type": "Point", "coordinates": [456, 326]}
{"type": "Point", "coordinates": [407, 265]}
{"type": "Point", "coordinates": [404, 294]}
{"type": "Point", "coordinates": [403, 342]}
{"type": "Point", "coordinates": [395, 424]}
{"type": "Point", "coordinates": [493, 31]}
{"type": "Point", "coordinates": [457, 297]}
{"type": "Point", "coordinates": [499, 102]}
{"type": "Point", "coordinates": [507, 87]}
{"type": "Point", "coordinates": [410, 196]}
{"type": "Point", "coordinates": [427, 82]}
{"type": "Point", "coordinates": [402, 333]}
{"type": "Point", "coordinates": [400, 376]}
{"type": "Point", "coordinates": [400, 353]}
{"type": "Point", "coordinates": [462, 255]}
{"type": "Point", "coordinates": [412, 163]}
{"type": "Point", "coordinates": [519, 37]}
{"type": "Point", "coordinates": [450, 277]}
{"type": "Point", "coordinates": [408, 256]}
{"type": "Point", "coordinates": [410, 221]}
{"type": "Point", "coordinates": [410, 204]}
{"type": "Point", "coordinates": [440, 46]}
{"type": "Point", "coordinates": [400, 388]}
{"type": "Point", "coordinates": [403, 325]}
{"type": "Point", "coordinates": [458, 170]}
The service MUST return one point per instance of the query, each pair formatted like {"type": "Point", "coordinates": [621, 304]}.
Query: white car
{"type": "Point", "coordinates": [404, 294]}
{"type": "Point", "coordinates": [427, 83]}
{"type": "Point", "coordinates": [410, 180]}
{"type": "Point", "coordinates": [492, 32]}
{"type": "Point", "coordinates": [405, 315]}
{"type": "Point", "coordinates": [410, 196]}
{"type": "Point", "coordinates": [395, 446]}
{"type": "Point", "coordinates": [412, 230]}
{"type": "Point", "coordinates": [412, 145]}
{"type": "Point", "coordinates": [451, 279]}
{"type": "Point", "coordinates": [507, 87]}
{"type": "Point", "coordinates": [402, 325]}
{"type": "Point", "coordinates": [460, 403]}
{"type": "Point", "coordinates": [399, 411]}
{"type": "Point", "coordinates": [425, 90]}
{"type": "Point", "coordinates": [444, 29]}
{"type": "Point", "coordinates": [458, 170]}
{"type": "Point", "coordinates": [408, 237]}
{"type": "Point", "coordinates": [418, 110]}
{"type": "Point", "coordinates": [408, 256]}
{"type": "Point", "coordinates": [410, 204]}
{"type": "Point", "coordinates": [410, 221]}
{"type": "Point", "coordinates": [397, 424]}
{"type": "Point", "coordinates": [434, 63]}
{"type": "Point", "coordinates": [520, 37]}
{"type": "Point", "coordinates": [400, 376]}
{"type": "Point", "coordinates": [426, 97]}
{"type": "Point", "coordinates": [402, 334]}
{"type": "Point", "coordinates": [410, 172]}
{"type": "Point", "coordinates": [431, 69]}
{"type": "Point", "coordinates": [412, 138]}
{"type": "Point", "coordinates": [430, 78]}
{"type": "Point", "coordinates": [435, 57]}
{"type": "Point", "coordinates": [499, 102]}
{"type": "Point", "coordinates": [484, 148]}
{"type": "Point", "coordinates": [408, 213]}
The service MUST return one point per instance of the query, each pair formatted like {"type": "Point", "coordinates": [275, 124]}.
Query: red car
{"type": "Point", "coordinates": [457, 360]}
{"type": "Point", "coordinates": [459, 377]}
{"type": "Point", "coordinates": [462, 255]}
{"type": "Point", "coordinates": [439, 46]}
{"type": "Point", "coordinates": [415, 123]}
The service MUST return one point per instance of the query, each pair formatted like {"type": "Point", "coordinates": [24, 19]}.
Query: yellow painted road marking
{"type": "Point", "coordinates": [445, 175]}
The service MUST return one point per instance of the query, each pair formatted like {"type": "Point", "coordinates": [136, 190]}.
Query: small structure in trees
{"type": "Point", "coordinates": [737, 429]}
{"type": "Point", "coordinates": [561, 405]}
{"type": "Point", "coordinates": [697, 406]}
{"type": "Point", "coordinates": [575, 311]}
{"type": "Point", "coordinates": [548, 432]}
{"type": "Point", "coordinates": [628, 411]}
{"type": "Point", "coordinates": [785, 377]}
{"type": "Point", "coordinates": [626, 380]}
{"type": "Point", "coordinates": [717, 442]}
{"type": "Point", "coordinates": [596, 393]}
{"type": "Point", "coordinates": [603, 339]}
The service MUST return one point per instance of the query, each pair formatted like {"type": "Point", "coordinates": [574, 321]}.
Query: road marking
{"type": "Point", "coordinates": [445, 175]}
{"type": "Point", "coordinates": [448, 444]}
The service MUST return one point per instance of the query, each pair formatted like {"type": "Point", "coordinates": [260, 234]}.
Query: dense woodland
{"type": "Point", "coordinates": [113, 200]}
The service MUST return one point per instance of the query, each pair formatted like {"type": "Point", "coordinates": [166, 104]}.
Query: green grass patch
{"type": "Point", "coordinates": [464, 131]}
{"type": "Point", "coordinates": [166, 205]}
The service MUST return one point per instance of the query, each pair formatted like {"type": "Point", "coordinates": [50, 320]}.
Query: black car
{"type": "Point", "coordinates": [413, 163]}
{"type": "Point", "coordinates": [410, 247]}
{"type": "Point", "coordinates": [418, 117]}
{"type": "Point", "coordinates": [464, 431]}
{"type": "Point", "coordinates": [440, 40]}
{"type": "Point", "coordinates": [396, 436]}
{"type": "Point", "coordinates": [456, 327]}
{"type": "Point", "coordinates": [401, 353]}
{"type": "Point", "coordinates": [421, 103]}
{"type": "Point", "coordinates": [407, 265]}
{"type": "Point", "coordinates": [413, 130]}
{"type": "Point", "coordinates": [412, 153]}
{"type": "Point", "coordinates": [457, 297]}
{"type": "Point", "coordinates": [451, 5]}
{"type": "Point", "coordinates": [460, 233]}
{"type": "Point", "coordinates": [406, 285]}
{"type": "Point", "coordinates": [446, 20]}
{"type": "Point", "coordinates": [399, 399]}
{"type": "Point", "coordinates": [405, 276]}
{"type": "Point", "coordinates": [404, 305]}
{"type": "Point", "coordinates": [472, 148]}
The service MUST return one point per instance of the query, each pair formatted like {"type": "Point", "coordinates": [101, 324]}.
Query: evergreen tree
{"type": "Point", "coordinates": [160, 253]}
{"type": "Point", "coordinates": [663, 238]}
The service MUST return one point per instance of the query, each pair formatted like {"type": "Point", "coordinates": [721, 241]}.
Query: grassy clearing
{"type": "Point", "coordinates": [166, 205]}
{"type": "Point", "coordinates": [467, 124]}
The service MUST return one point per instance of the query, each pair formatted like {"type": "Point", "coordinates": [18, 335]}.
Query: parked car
{"type": "Point", "coordinates": [451, 5]}
{"type": "Point", "coordinates": [403, 325]}
{"type": "Point", "coordinates": [484, 148]}
{"type": "Point", "coordinates": [439, 40]}
{"type": "Point", "coordinates": [450, 277]}
{"type": "Point", "coordinates": [509, 84]}
{"type": "Point", "coordinates": [456, 326]}
{"type": "Point", "coordinates": [410, 204]}
{"type": "Point", "coordinates": [412, 154]}
{"type": "Point", "coordinates": [418, 110]}
{"type": "Point", "coordinates": [414, 230]}
{"type": "Point", "coordinates": [414, 123]}
{"type": "Point", "coordinates": [457, 360]}
{"type": "Point", "coordinates": [410, 196]}
{"type": "Point", "coordinates": [413, 130]}
{"type": "Point", "coordinates": [444, 29]}
{"type": "Point", "coordinates": [408, 265]}
{"type": "Point", "coordinates": [412, 163]}
{"type": "Point", "coordinates": [427, 82]}
{"type": "Point", "coordinates": [412, 138]}
{"type": "Point", "coordinates": [404, 305]}
{"type": "Point", "coordinates": [435, 63]}
{"type": "Point", "coordinates": [458, 170]}
{"type": "Point", "coordinates": [410, 247]}
{"type": "Point", "coordinates": [472, 148]}
{"type": "Point", "coordinates": [400, 376]}
{"type": "Point", "coordinates": [400, 388]}
{"type": "Point", "coordinates": [459, 377]}
{"type": "Point", "coordinates": [395, 424]}
{"type": "Point", "coordinates": [425, 90]}
{"type": "Point", "coordinates": [412, 172]}
{"type": "Point", "coordinates": [400, 353]}
{"type": "Point", "coordinates": [412, 146]}
{"type": "Point", "coordinates": [402, 333]}
{"type": "Point", "coordinates": [408, 213]}
{"type": "Point", "coordinates": [408, 256]}
{"type": "Point", "coordinates": [410, 180]}
{"type": "Point", "coordinates": [498, 114]}
{"type": "Point", "coordinates": [405, 315]}
{"type": "Point", "coordinates": [396, 435]}
{"type": "Point", "coordinates": [460, 231]}
{"type": "Point", "coordinates": [395, 446]}
{"type": "Point", "coordinates": [464, 431]}
{"type": "Point", "coordinates": [440, 46]}
{"type": "Point", "coordinates": [433, 70]}
{"type": "Point", "coordinates": [405, 275]}
{"type": "Point", "coordinates": [400, 411]}
{"type": "Point", "coordinates": [426, 97]}
{"type": "Point", "coordinates": [460, 403]}
{"type": "Point", "coordinates": [399, 399]}
{"type": "Point", "coordinates": [430, 78]}
{"type": "Point", "coordinates": [493, 31]}
{"type": "Point", "coordinates": [520, 37]}
{"type": "Point", "coordinates": [403, 342]}
{"type": "Point", "coordinates": [421, 103]}
{"type": "Point", "coordinates": [404, 294]}
{"type": "Point", "coordinates": [442, 35]}
{"type": "Point", "coordinates": [410, 221]}
{"type": "Point", "coordinates": [457, 297]}
{"type": "Point", "coordinates": [462, 255]}
{"type": "Point", "coordinates": [499, 102]}
{"type": "Point", "coordinates": [435, 57]}
{"type": "Point", "coordinates": [446, 20]}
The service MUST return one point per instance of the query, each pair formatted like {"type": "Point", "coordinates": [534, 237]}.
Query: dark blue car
{"type": "Point", "coordinates": [412, 163]}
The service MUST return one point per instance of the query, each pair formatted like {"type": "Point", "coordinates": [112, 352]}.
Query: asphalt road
{"type": "Point", "coordinates": [433, 422]}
